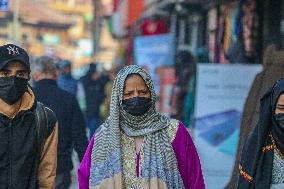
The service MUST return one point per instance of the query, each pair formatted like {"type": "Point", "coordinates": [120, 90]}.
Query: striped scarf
{"type": "Point", "coordinates": [160, 164]}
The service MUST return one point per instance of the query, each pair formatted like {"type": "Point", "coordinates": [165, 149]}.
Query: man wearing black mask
{"type": "Point", "coordinates": [28, 130]}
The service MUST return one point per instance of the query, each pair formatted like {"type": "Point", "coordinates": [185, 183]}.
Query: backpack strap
{"type": "Point", "coordinates": [45, 121]}
{"type": "Point", "coordinates": [41, 127]}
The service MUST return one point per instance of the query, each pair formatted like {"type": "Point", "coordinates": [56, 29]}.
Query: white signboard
{"type": "Point", "coordinates": [221, 91]}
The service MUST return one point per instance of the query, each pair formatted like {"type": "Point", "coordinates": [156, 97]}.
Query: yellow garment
{"type": "Point", "coordinates": [104, 108]}
{"type": "Point", "coordinates": [227, 34]}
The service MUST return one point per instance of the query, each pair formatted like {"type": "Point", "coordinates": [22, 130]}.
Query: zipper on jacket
{"type": "Point", "coordinates": [10, 153]}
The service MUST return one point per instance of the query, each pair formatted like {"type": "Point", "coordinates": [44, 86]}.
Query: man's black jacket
{"type": "Point", "coordinates": [71, 123]}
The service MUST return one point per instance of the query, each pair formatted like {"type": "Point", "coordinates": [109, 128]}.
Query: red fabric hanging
{"type": "Point", "coordinates": [115, 4]}
{"type": "Point", "coordinates": [154, 27]}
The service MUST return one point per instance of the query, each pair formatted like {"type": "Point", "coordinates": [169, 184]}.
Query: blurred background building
{"type": "Point", "coordinates": [224, 31]}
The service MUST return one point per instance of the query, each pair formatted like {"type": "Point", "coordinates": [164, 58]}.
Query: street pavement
{"type": "Point", "coordinates": [75, 160]}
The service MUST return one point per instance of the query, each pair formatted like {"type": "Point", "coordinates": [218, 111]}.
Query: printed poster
{"type": "Point", "coordinates": [221, 92]}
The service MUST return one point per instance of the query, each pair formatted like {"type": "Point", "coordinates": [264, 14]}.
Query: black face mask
{"type": "Point", "coordinates": [137, 105]}
{"type": "Point", "coordinates": [12, 89]}
{"type": "Point", "coordinates": [279, 118]}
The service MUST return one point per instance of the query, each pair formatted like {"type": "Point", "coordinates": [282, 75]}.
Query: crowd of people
{"type": "Point", "coordinates": [44, 113]}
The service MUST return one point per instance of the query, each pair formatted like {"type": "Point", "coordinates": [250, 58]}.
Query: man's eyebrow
{"type": "Point", "coordinates": [22, 71]}
{"type": "Point", "coordinates": [280, 105]}
{"type": "Point", "coordinates": [5, 69]}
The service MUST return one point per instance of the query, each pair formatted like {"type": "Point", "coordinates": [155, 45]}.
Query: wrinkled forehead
{"type": "Point", "coordinates": [126, 75]}
{"type": "Point", "coordinates": [135, 76]}
{"type": "Point", "coordinates": [134, 70]}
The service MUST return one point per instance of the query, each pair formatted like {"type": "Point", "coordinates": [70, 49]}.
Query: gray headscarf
{"type": "Point", "coordinates": [159, 160]}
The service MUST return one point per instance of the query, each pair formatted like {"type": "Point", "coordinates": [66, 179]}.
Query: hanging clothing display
{"type": "Point", "coordinates": [211, 33]}
{"type": "Point", "coordinates": [237, 32]}
{"type": "Point", "coordinates": [154, 26]}
{"type": "Point", "coordinates": [250, 27]}
{"type": "Point", "coordinates": [230, 38]}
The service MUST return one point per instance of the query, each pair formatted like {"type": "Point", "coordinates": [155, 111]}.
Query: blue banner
{"type": "Point", "coordinates": [155, 50]}
{"type": "Point", "coordinates": [4, 5]}
{"type": "Point", "coordinates": [152, 52]}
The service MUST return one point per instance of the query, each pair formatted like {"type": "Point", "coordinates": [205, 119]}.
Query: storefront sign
{"type": "Point", "coordinates": [151, 52]}
{"type": "Point", "coordinates": [4, 5]}
{"type": "Point", "coordinates": [221, 91]}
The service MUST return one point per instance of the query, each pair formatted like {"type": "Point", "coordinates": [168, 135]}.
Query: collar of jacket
{"type": "Point", "coordinates": [46, 82]}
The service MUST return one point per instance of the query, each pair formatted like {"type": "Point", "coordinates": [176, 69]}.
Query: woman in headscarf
{"type": "Point", "coordinates": [137, 147]}
{"type": "Point", "coordinates": [262, 163]}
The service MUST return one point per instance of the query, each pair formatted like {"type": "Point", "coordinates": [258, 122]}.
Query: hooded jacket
{"type": "Point", "coordinates": [21, 165]}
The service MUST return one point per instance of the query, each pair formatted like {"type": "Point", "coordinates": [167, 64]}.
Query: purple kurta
{"type": "Point", "coordinates": [186, 154]}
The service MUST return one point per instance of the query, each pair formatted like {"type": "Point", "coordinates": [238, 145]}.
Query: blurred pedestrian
{"type": "Point", "coordinates": [93, 88]}
{"type": "Point", "coordinates": [262, 162]}
{"type": "Point", "coordinates": [272, 70]}
{"type": "Point", "coordinates": [66, 80]}
{"type": "Point", "coordinates": [104, 108]}
{"type": "Point", "coordinates": [182, 99]}
{"type": "Point", "coordinates": [137, 147]}
{"type": "Point", "coordinates": [28, 130]}
{"type": "Point", "coordinates": [71, 127]}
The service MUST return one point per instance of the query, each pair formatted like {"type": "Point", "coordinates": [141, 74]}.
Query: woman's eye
{"type": "Point", "coordinates": [144, 92]}
{"type": "Point", "coordinates": [4, 74]}
{"type": "Point", "coordinates": [20, 75]}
